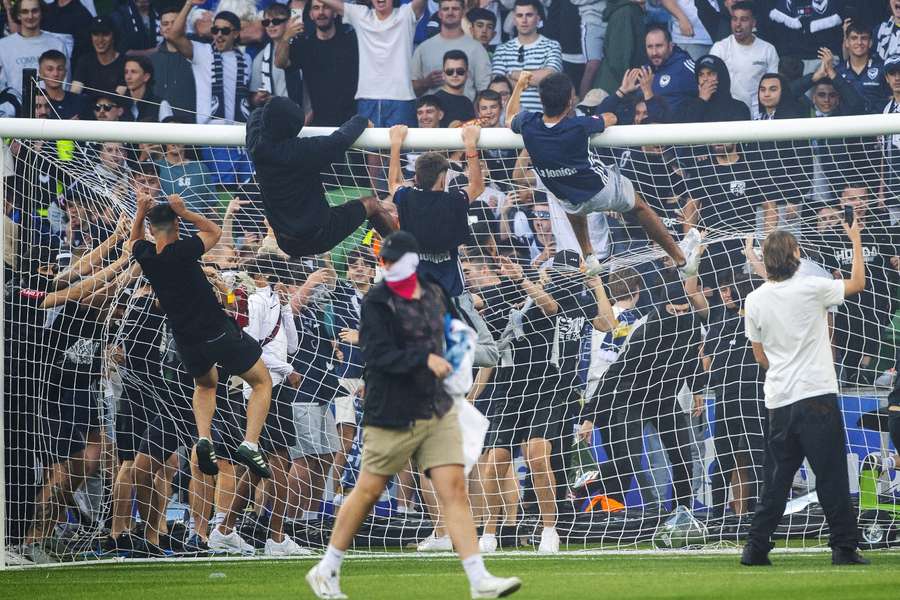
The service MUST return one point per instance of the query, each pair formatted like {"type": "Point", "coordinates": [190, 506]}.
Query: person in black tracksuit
{"type": "Point", "coordinates": [641, 385]}
{"type": "Point", "coordinates": [288, 170]}
{"type": "Point", "coordinates": [714, 101]}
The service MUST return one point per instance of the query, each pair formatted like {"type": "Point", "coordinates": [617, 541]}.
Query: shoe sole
{"type": "Point", "coordinates": [254, 468]}
{"type": "Point", "coordinates": [207, 466]}
{"type": "Point", "coordinates": [312, 587]}
{"type": "Point", "coordinates": [515, 587]}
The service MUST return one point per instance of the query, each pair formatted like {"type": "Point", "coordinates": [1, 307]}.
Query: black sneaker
{"type": "Point", "coordinates": [751, 557]}
{"type": "Point", "coordinates": [121, 543]}
{"type": "Point", "coordinates": [206, 457]}
{"type": "Point", "coordinates": [842, 556]}
{"type": "Point", "coordinates": [254, 460]}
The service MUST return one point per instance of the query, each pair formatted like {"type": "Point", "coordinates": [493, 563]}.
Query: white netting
{"type": "Point", "coordinates": [98, 419]}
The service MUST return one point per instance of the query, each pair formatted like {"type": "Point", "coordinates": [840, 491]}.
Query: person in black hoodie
{"type": "Point", "coordinates": [714, 101]}
{"type": "Point", "coordinates": [288, 170]}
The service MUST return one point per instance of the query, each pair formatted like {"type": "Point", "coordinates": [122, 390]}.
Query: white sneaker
{"type": "Point", "coordinates": [487, 544]}
{"type": "Point", "coordinates": [592, 265]}
{"type": "Point", "coordinates": [286, 547]}
{"type": "Point", "coordinates": [690, 247]}
{"type": "Point", "coordinates": [326, 587]}
{"type": "Point", "coordinates": [549, 541]}
{"type": "Point", "coordinates": [435, 544]}
{"type": "Point", "coordinates": [231, 543]}
{"type": "Point", "coordinates": [495, 587]}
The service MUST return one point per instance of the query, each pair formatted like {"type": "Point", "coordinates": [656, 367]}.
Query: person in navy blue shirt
{"type": "Point", "coordinates": [862, 69]}
{"type": "Point", "coordinates": [673, 68]}
{"type": "Point", "coordinates": [558, 145]}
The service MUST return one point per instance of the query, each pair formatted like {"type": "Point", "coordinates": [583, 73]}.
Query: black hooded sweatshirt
{"type": "Point", "coordinates": [721, 106]}
{"type": "Point", "coordinates": [288, 168]}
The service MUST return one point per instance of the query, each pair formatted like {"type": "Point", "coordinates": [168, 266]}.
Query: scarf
{"type": "Point", "coordinates": [401, 276]}
{"type": "Point", "coordinates": [241, 105]}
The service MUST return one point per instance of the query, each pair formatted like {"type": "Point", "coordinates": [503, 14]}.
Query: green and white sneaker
{"type": "Point", "coordinates": [254, 460]}
{"type": "Point", "coordinates": [206, 457]}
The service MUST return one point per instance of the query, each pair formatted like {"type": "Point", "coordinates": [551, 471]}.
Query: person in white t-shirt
{"type": "Point", "coordinates": [687, 31]}
{"type": "Point", "coordinates": [786, 321]}
{"type": "Point", "coordinates": [747, 57]}
{"type": "Point", "coordinates": [221, 71]}
{"type": "Point", "coordinates": [22, 50]}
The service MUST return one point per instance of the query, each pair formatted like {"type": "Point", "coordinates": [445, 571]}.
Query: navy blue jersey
{"type": "Point", "coordinates": [561, 156]}
{"type": "Point", "coordinates": [346, 302]}
{"type": "Point", "coordinates": [869, 83]}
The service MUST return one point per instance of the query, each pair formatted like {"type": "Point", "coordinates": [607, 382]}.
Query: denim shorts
{"type": "Point", "coordinates": [385, 113]}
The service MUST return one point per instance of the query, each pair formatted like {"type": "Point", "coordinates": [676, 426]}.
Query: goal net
{"type": "Point", "coordinates": [643, 432]}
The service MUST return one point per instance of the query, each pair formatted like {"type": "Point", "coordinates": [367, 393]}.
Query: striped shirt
{"type": "Point", "coordinates": [543, 53]}
{"type": "Point", "coordinates": [887, 39]}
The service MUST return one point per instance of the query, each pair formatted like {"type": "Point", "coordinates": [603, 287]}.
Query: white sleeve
{"type": "Point", "coordinates": [353, 13]}
{"type": "Point", "coordinates": [829, 291]}
{"type": "Point", "coordinates": [773, 60]}
{"type": "Point", "coordinates": [165, 110]}
{"type": "Point", "coordinates": [256, 317]}
{"type": "Point", "coordinates": [290, 329]}
{"type": "Point", "coordinates": [718, 49]}
{"type": "Point", "coordinates": [202, 56]}
{"type": "Point", "coordinates": [751, 328]}
{"type": "Point", "coordinates": [276, 365]}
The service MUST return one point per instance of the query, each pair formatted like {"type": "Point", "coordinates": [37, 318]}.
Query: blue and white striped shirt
{"type": "Point", "coordinates": [543, 53]}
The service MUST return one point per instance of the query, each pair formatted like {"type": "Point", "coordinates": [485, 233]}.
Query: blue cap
{"type": "Point", "coordinates": [892, 64]}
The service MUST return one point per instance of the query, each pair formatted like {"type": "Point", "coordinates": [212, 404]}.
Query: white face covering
{"type": "Point", "coordinates": [404, 268]}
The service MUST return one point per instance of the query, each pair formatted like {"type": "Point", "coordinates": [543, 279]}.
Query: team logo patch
{"type": "Point", "coordinates": [873, 72]}
{"type": "Point", "coordinates": [664, 80]}
{"type": "Point", "coordinates": [738, 188]}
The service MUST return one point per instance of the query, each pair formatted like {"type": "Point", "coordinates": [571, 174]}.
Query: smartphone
{"type": "Point", "coordinates": [296, 13]}
{"type": "Point", "coordinates": [848, 215]}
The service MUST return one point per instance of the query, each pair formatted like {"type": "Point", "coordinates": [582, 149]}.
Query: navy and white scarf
{"type": "Point", "coordinates": [241, 100]}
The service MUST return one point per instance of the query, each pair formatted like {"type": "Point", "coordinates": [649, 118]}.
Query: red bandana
{"type": "Point", "coordinates": [405, 288]}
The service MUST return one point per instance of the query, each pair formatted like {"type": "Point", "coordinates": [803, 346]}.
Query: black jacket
{"type": "Point", "coordinates": [721, 106]}
{"type": "Point", "coordinates": [288, 168]}
{"type": "Point", "coordinates": [398, 380]}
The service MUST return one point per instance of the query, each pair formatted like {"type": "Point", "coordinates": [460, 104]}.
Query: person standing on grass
{"type": "Point", "coordinates": [407, 415]}
{"type": "Point", "coordinates": [786, 321]}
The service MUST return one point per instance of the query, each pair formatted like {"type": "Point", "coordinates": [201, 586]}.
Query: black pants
{"type": "Point", "coordinates": [812, 428]}
{"type": "Point", "coordinates": [739, 428]}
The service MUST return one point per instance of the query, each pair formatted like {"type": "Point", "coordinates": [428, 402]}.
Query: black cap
{"type": "Point", "coordinates": [892, 64]}
{"type": "Point", "coordinates": [397, 244]}
{"type": "Point", "coordinates": [102, 25]}
{"type": "Point", "coordinates": [567, 260]}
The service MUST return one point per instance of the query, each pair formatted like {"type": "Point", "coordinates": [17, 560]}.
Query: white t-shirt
{"type": "Point", "coordinates": [789, 319]}
{"type": "Point", "coordinates": [202, 66]}
{"type": "Point", "coordinates": [18, 53]}
{"type": "Point", "coordinates": [385, 50]}
{"type": "Point", "coordinates": [747, 65]}
{"type": "Point", "coordinates": [701, 36]}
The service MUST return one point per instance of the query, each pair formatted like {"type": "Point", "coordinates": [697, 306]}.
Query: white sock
{"type": "Point", "coordinates": [252, 446]}
{"type": "Point", "coordinates": [332, 559]}
{"type": "Point", "coordinates": [888, 463]}
{"type": "Point", "coordinates": [475, 569]}
{"type": "Point", "coordinates": [549, 530]}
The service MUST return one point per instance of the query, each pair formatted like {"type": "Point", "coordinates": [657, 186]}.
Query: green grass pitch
{"type": "Point", "coordinates": [614, 577]}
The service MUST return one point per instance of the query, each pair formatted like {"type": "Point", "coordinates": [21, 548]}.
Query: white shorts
{"type": "Point", "coordinates": [345, 406]}
{"type": "Point", "coordinates": [316, 432]}
{"type": "Point", "coordinates": [616, 196]}
{"type": "Point", "coordinates": [592, 36]}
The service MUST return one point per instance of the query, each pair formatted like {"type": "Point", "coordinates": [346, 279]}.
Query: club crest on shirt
{"type": "Point", "coordinates": [873, 72]}
{"type": "Point", "coordinates": [664, 80]}
{"type": "Point", "coordinates": [738, 188]}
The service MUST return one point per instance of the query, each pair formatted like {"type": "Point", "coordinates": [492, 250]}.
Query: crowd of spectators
{"type": "Point", "coordinates": [429, 64]}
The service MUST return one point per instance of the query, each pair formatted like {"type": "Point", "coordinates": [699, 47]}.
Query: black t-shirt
{"type": "Point", "coordinates": [733, 367]}
{"type": "Point", "coordinates": [440, 223]}
{"type": "Point", "coordinates": [72, 105]}
{"type": "Point", "coordinates": [330, 68]}
{"type": "Point", "coordinates": [456, 108]}
{"type": "Point", "coordinates": [499, 300]}
{"type": "Point", "coordinates": [184, 292]}
{"type": "Point", "coordinates": [142, 328]}
{"type": "Point", "coordinates": [75, 341]}
{"type": "Point", "coordinates": [656, 178]}
{"type": "Point", "coordinates": [95, 76]}
{"type": "Point", "coordinates": [727, 195]}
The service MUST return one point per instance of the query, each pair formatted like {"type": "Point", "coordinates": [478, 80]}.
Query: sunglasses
{"type": "Point", "coordinates": [541, 214]}
{"type": "Point", "coordinates": [521, 53]}
{"type": "Point", "coordinates": [222, 30]}
{"type": "Point", "coordinates": [103, 107]}
{"type": "Point", "coordinates": [276, 21]}
{"type": "Point", "coordinates": [456, 71]}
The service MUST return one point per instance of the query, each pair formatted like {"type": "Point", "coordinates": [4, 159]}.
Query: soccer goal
{"type": "Point", "coordinates": [625, 410]}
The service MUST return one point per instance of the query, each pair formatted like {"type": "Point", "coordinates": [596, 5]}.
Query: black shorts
{"type": "Point", "coordinates": [538, 413]}
{"type": "Point", "coordinates": [166, 434]}
{"type": "Point", "coordinates": [231, 349]}
{"type": "Point", "coordinates": [343, 220]}
{"type": "Point", "coordinates": [131, 422]}
{"type": "Point", "coordinates": [69, 416]}
{"type": "Point", "coordinates": [278, 432]}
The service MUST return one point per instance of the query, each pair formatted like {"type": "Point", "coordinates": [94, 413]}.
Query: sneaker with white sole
{"type": "Point", "coordinates": [487, 543]}
{"type": "Point", "coordinates": [286, 547]}
{"type": "Point", "coordinates": [435, 544]}
{"type": "Point", "coordinates": [690, 247]}
{"type": "Point", "coordinates": [549, 541]}
{"type": "Point", "coordinates": [230, 543]}
{"type": "Point", "coordinates": [495, 587]}
{"type": "Point", "coordinates": [592, 265]}
{"type": "Point", "coordinates": [326, 586]}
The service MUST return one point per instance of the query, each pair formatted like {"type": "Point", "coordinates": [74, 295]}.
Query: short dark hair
{"type": "Point", "coordinates": [456, 55]}
{"type": "Point", "coordinates": [501, 79]}
{"type": "Point", "coordinates": [555, 91]}
{"type": "Point", "coordinates": [740, 284]}
{"type": "Point", "coordinates": [462, 3]}
{"type": "Point", "coordinates": [652, 27]}
{"type": "Point", "coordinates": [481, 14]}
{"type": "Point", "coordinates": [779, 255]}
{"type": "Point", "coordinates": [227, 15]}
{"type": "Point", "coordinates": [533, 3]}
{"type": "Point", "coordinates": [361, 253]}
{"type": "Point", "coordinates": [17, 9]}
{"type": "Point", "coordinates": [161, 215]}
{"type": "Point", "coordinates": [625, 283]}
{"type": "Point", "coordinates": [52, 55]}
{"type": "Point", "coordinates": [430, 100]}
{"type": "Point", "coordinates": [144, 63]}
{"type": "Point", "coordinates": [170, 8]}
{"type": "Point", "coordinates": [489, 95]}
{"type": "Point", "coordinates": [146, 168]}
{"type": "Point", "coordinates": [858, 27]}
{"type": "Point", "coordinates": [744, 5]}
{"type": "Point", "coordinates": [277, 10]}
{"type": "Point", "coordinates": [429, 167]}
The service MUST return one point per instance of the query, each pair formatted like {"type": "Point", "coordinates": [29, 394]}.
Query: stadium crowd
{"type": "Point", "coordinates": [621, 363]}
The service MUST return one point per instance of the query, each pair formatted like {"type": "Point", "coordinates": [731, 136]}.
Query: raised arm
{"type": "Point", "coordinates": [337, 5]}
{"type": "Point", "coordinates": [857, 281]}
{"type": "Point", "coordinates": [395, 172]}
{"type": "Point", "coordinates": [470, 135]}
{"type": "Point", "coordinates": [606, 318]}
{"type": "Point", "coordinates": [178, 34]}
{"type": "Point", "coordinates": [418, 7]}
{"type": "Point", "coordinates": [207, 231]}
{"type": "Point", "coordinates": [283, 44]}
{"type": "Point", "coordinates": [515, 99]}
{"type": "Point", "coordinates": [144, 204]}
{"type": "Point", "coordinates": [535, 291]}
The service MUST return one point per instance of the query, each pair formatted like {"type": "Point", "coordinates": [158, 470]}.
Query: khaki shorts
{"type": "Point", "coordinates": [430, 443]}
